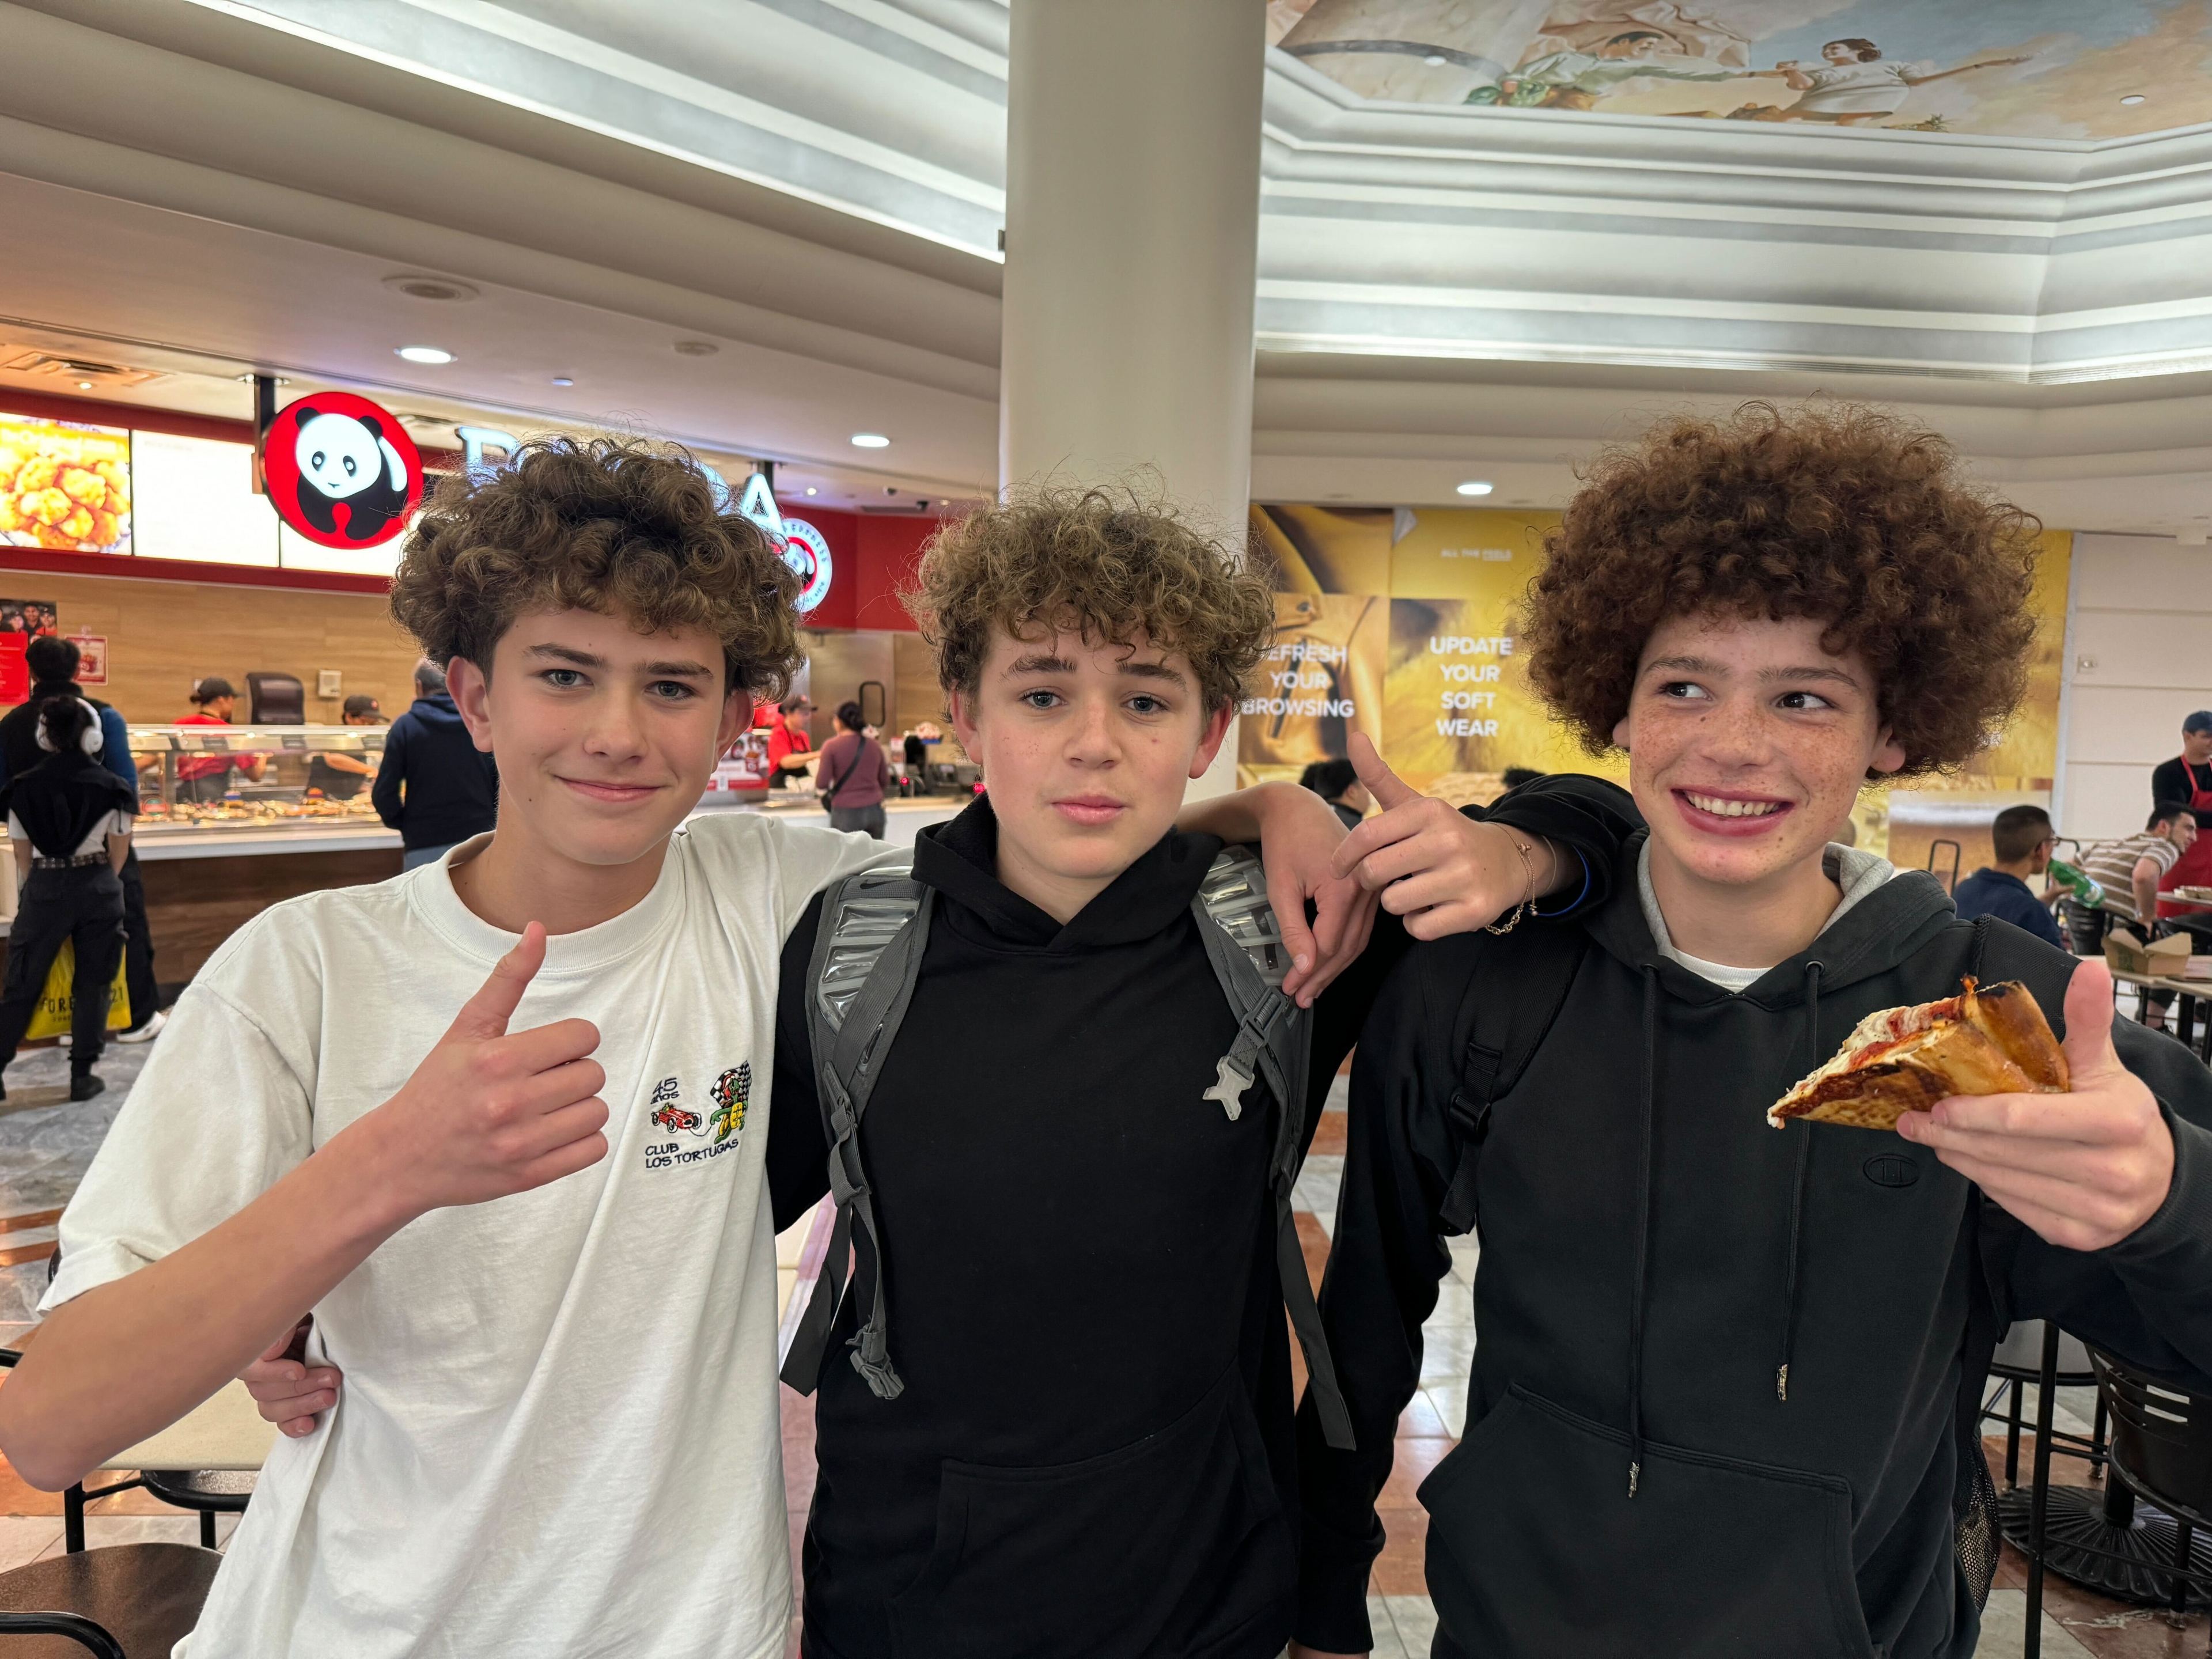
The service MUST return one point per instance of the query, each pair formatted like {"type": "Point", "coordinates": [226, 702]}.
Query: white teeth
{"type": "Point", "coordinates": [1733, 809]}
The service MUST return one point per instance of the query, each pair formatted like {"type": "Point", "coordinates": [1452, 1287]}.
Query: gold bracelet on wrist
{"type": "Point", "coordinates": [1527, 905]}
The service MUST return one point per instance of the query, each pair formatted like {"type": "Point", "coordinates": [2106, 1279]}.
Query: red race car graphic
{"type": "Point", "coordinates": [672, 1118]}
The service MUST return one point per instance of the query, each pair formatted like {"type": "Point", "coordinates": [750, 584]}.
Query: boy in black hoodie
{"type": "Point", "coordinates": [1726, 1382]}
{"type": "Point", "coordinates": [1091, 1449]}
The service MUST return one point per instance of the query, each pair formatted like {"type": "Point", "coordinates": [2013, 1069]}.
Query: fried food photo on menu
{"type": "Point", "coordinates": [1993, 1042]}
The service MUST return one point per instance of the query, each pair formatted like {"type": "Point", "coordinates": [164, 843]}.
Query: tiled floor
{"type": "Point", "coordinates": [46, 1143]}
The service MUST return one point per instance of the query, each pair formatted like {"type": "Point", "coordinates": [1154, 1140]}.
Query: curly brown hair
{"type": "Point", "coordinates": [1842, 514]}
{"type": "Point", "coordinates": [1105, 563]}
{"type": "Point", "coordinates": [618, 525]}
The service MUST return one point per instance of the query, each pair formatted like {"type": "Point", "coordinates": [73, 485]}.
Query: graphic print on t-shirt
{"type": "Point", "coordinates": [732, 1093]}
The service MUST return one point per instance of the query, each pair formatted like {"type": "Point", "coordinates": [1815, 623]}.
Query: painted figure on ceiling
{"type": "Point", "coordinates": [1856, 84]}
{"type": "Point", "coordinates": [1576, 80]}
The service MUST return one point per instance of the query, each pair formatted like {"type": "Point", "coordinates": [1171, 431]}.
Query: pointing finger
{"type": "Point", "coordinates": [1388, 789]}
{"type": "Point", "coordinates": [486, 1012]}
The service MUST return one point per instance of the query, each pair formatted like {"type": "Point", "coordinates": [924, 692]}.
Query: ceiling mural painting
{"type": "Point", "coordinates": [2024, 69]}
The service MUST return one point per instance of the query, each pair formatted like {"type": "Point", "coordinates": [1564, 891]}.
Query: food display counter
{"type": "Point", "coordinates": [233, 818]}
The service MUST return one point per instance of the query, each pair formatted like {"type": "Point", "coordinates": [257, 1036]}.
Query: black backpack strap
{"type": "Point", "coordinates": [1273, 1044]}
{"type": "Point", "coordinates": [868, 956]}
{"type": "Point", "coordinates": [1514, 1010]}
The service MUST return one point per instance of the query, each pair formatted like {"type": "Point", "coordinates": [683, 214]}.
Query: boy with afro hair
{"type": "Point", "coordinates": [1726, 1380]}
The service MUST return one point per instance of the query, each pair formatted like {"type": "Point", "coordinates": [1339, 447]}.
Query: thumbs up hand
{"type": "Point", "coordinates": [488, 1113]}
{"type": "Point", "coordinates": [2084, 1169]}
{"type": "Point", "coordinates": [1444, 872]}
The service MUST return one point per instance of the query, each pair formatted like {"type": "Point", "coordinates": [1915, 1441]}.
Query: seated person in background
{"type": "Point", "coordinates": [2129, 872]}
{"type": "Point", "coordinates": [70, 819]}
{"type": "Point", "coordinates": [339, 775]}
{"type": "Point", "coordinates": [1337, 783]}
{"type": "Point", "coordinates": [204, 777]}
{"type": "Point", "coordinates": [2023, 840]}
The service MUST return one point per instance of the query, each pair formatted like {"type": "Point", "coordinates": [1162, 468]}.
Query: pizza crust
{"type": "Point", "coordinates": [1905, 1060]}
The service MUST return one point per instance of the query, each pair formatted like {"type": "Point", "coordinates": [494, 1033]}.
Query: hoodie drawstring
{"type": "Point", "coordinates": [1813, 972]}
{"type": "Point", "coordinates": [1644, 1180]}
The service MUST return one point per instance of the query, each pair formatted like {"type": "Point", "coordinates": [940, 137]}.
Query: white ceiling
{"type": "Point", "coordinates": [195, 191]}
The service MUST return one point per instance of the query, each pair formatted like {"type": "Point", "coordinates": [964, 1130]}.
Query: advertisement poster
{"type": "Point", "coordinates": [1401, 623]}
{"type": "Point", "coordinates": [64, 486]}
{"type": "Point", "coordinates": [91, 658]}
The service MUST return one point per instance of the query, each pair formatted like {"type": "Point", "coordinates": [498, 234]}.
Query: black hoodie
{"type": "Point", "coordinates": [1654, 1255]}
{"type": "Point", "coordinates": [1092, 1455]}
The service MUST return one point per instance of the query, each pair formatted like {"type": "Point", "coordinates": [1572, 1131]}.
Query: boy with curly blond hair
{"type": "Point", "coordinates": [1726, 1384]}
{"type": "Point", "coordinates": [1070, 1431]}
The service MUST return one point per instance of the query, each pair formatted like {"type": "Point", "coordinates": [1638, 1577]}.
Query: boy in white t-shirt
{"type": "Point", "coordinates": [560, 1432]}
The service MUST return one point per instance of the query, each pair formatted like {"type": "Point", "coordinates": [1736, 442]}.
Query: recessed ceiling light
{"type": "Point", "coordinates": [811, 490]}
{"type": "Point", "coordinates": [563, 379]}
{"type": "Point", "coordinates": [1434, 60]}
{"type": "Point", "coordinates": [2133, 98]}
{"type": "Point", "coordinates": [1475, 487]}
{"type": "Point", "coordinates": [425, 355]}
{"type": "Point", "coordinates": [871, 441]}
{"type": "Point", "coordinates": [84, 385]}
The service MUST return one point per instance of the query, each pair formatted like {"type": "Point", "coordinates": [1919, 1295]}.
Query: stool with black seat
{"type": "Point", "coordinates": [2161, 1457]}
{"type": "Point", "coordinates": [123, 1602]}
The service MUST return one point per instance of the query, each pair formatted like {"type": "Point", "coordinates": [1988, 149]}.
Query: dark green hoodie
{"type": "Point", "coordinates": [1784, 1332]}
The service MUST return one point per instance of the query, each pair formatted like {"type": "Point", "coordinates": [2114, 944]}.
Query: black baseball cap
{"type": "Point", "coordinates": [2199, 721]}
{"type": "Point", "coordinates": [212, 687]}
{"type": "Point", "coordinates": [361, 704]}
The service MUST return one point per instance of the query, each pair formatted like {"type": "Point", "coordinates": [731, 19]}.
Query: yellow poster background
{"type": "Point", "coordinates": [1402, 623]}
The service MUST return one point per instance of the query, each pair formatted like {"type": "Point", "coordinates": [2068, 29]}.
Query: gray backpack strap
{"type": "Point", "coordinates": [1273, 1044]}
{"type": "Point", "coordinates": [868, 956]}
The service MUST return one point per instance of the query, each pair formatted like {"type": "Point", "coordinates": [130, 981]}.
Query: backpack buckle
{"type": "Point", "coordinates": [1231, 1080]}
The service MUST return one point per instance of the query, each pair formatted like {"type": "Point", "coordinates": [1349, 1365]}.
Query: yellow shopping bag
{"type": "Point", "coordinates": [58, 1001]}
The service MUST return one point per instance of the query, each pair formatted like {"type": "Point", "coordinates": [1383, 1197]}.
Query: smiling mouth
{"type": "Point", "coordinates": [1721, 806]}
{"type": "Point", "coordinates": [616, 792]}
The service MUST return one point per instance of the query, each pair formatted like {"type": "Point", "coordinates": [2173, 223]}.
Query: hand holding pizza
{"type": "Point", "coordinates": [2084, 1169]}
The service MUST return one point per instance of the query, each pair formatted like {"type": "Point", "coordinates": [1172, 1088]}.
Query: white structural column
{"type": "Point", "coordinates": [1133, 219]}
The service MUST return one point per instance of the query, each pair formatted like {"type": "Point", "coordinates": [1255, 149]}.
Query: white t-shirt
{"type": "Point", "coordinates": [559, 1433]}
{"type": "Point", "coordinates": [1875, 88]}
{"type": "Point", "coordinates": [116, 823]}
{"type": "Point", "coordinates": [1856, 873]}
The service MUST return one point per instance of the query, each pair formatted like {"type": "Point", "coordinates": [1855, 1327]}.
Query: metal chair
{"type": "Point", "coordinates": [126, 1601]}
{"type": "Point", "coordinates": [137, 1600]}
{"type": "Point", "coordinates": [2161, 1453]}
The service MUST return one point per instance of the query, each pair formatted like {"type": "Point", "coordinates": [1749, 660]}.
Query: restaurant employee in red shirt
{"type": "Point", "coordinates": [790, 746]}
{"type": "Point", "coordinates": [2186, 780]}
{"type": "Point", "coordinates": [207, 777]}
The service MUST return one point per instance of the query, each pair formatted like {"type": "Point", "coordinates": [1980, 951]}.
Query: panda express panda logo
{"type": "Point", "coordinates": [341, 471]}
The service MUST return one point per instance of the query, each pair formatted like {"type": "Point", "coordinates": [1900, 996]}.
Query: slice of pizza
{"type": "Point", "coordinates": [1905, 1060]}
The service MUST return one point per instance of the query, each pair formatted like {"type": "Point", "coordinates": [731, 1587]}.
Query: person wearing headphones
{"type": "Point", "coordinates": [69, 818]}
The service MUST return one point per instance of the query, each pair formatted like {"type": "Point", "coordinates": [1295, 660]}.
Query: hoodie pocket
{"type": "Point", "coordinates": [1172, 1544]}
{"type": "Point", "coordinates": [1535, 1548]}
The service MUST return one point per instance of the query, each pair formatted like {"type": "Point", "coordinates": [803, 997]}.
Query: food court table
{"type": "Point", "coordinates": [2188, 993]}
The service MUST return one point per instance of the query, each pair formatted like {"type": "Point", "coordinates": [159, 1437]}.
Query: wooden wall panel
{"type": "Point", "coordinates": [161, 636]}
{"type": "Point", "coordinates": [193, 905]}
